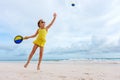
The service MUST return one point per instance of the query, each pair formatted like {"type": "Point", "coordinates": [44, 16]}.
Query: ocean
{"type": "Point", "coordinates": [65, 56]}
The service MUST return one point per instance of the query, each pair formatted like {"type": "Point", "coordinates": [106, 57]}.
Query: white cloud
{"type": "Point", "coordinates": [76, 24]}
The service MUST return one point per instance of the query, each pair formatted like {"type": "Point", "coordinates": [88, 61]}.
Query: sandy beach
{"type": "Point", "coordinates": [61, 70]}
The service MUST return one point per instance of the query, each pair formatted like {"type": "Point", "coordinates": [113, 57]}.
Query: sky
{"type": "Point", "coordinates": [91, 26]}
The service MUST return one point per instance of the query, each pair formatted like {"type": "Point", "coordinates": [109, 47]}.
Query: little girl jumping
{"type": "Point", "coordinates": [40, 40]}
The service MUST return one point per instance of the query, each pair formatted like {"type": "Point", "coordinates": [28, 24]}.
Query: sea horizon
{"type": "Point", "coordinates": [83, 59]}
{"type": "Point", "coordinates": [63, 56]}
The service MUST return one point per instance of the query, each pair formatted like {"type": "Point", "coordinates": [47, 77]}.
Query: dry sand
{"type": "Point", "coordinates": [61, 70]}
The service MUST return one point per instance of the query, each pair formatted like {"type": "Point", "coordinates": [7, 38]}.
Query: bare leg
{"type": "Point", "coordinates": [31, 54]}
{"type": "Point", "coordinates": [40, 57]}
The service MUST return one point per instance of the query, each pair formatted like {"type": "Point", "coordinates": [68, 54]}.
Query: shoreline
{"type": "Point", "coordinates": [70, 61]}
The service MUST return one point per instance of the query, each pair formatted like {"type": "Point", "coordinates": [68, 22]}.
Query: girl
{"type": "Point", "coordinates": [40, 40]}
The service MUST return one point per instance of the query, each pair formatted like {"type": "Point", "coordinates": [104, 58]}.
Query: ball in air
{"type": "Point", "coordinates": [73, 4]}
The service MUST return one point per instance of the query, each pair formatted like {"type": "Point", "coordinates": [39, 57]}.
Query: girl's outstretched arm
{"type": "Point", "coordinates": [32, 36]}
{"type": "Point", "coordinates": [54, 15]}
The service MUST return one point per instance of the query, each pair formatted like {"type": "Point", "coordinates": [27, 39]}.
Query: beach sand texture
{"type": "Point", "coordinates": [61, 70]}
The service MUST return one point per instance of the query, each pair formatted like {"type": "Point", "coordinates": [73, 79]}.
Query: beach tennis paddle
{"type": "Point", "coordinates": [18, 39]}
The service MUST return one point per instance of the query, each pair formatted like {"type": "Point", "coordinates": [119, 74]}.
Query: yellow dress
{"type": "Point", "coordinates": [41, 37]}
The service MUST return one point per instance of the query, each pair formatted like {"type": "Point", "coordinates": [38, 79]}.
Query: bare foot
{"type": "Point", "coordinates": [25, 66]}
{"type": "Point", "coordinates": [38, 68]}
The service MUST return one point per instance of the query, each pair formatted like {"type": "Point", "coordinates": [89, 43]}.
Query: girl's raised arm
{"type": "Point", "coordinates": [54, 15]}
